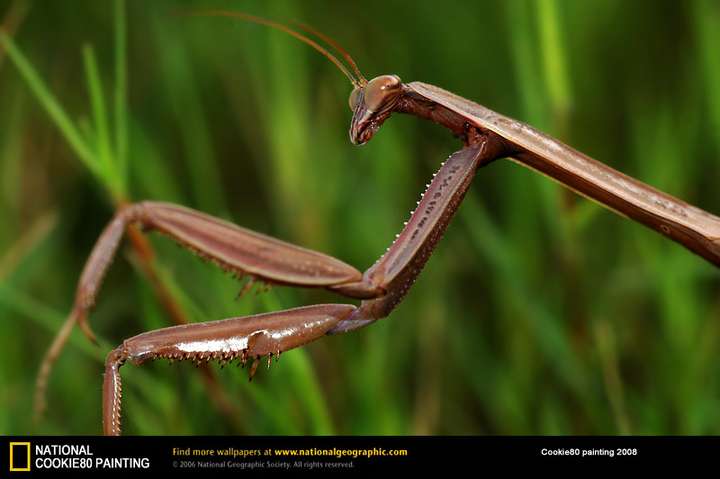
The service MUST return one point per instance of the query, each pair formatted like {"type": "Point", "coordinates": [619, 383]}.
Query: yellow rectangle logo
{"type": "Point", "coordinates": [19, 458]}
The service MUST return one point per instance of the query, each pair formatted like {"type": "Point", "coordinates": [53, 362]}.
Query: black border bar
{"type": "Point", "coordinates": [232, 455]}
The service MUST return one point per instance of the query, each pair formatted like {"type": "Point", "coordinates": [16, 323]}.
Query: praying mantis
{"type": "Point", "coordinates": [485, 136]}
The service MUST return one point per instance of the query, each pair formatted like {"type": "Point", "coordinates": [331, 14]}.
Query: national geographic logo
{"type": "Point", "coordinates": [19, 456]}
{"type": "Point", "coordinates": [40, 455]}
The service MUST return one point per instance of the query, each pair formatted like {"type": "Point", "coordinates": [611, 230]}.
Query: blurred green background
{"type": "Point", "coordinates": [540, 312]}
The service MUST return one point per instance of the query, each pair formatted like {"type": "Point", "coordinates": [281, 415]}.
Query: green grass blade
{"type": "Point", "coordinates": [103, 148]}
{"type": "Point", "coordinates": [121, 128]}
{"type": "Point", "coordinates": [51, 105]}
{"type": "Point", "coordinates": [707, 20]}
{"type": "Point", "coordinates": [554, 68]}
{"type": "Point", "coordinates": [304, 381]}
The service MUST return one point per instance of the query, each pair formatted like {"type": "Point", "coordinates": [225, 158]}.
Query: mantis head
{"type": "Point", "coordinates": [371, 102]}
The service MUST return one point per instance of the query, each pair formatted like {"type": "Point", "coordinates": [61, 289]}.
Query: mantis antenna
{"type": "Point", "coordinates": [336, 46]}
{"type": "Point", "coordinates": [360, 81]}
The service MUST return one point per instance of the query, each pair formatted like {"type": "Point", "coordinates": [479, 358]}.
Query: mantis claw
{"type": "Point", "coordinates": [84, 325]}
{"type": "Point", "coordinates": [246, 337]}
{"type": "Point", "coordinates": [253, 369]}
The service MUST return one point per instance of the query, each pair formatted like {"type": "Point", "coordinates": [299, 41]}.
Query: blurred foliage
{"type": "Point", "coordinates": [540, 312]}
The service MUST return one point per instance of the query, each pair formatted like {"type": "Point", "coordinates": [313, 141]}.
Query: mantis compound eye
{"type": "Point", "coordinates": [355, 98]}
{"type": "Point", "coordinates": [381, 90]}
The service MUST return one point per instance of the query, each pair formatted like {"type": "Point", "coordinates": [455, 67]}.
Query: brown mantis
{"type": "Point", "coordinates": [485, 135]}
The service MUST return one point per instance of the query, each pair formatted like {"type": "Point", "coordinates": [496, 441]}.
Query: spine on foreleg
{"type": "Point", "coordinates": [399, 267]}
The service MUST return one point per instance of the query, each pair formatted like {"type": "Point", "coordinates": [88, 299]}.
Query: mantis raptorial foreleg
{"type": "Point", "coordinates": [383, 285]}
{"type": "Point", "coordinates": [236, 249]}
{"type": "Point", "coordinates": [246, 338]}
